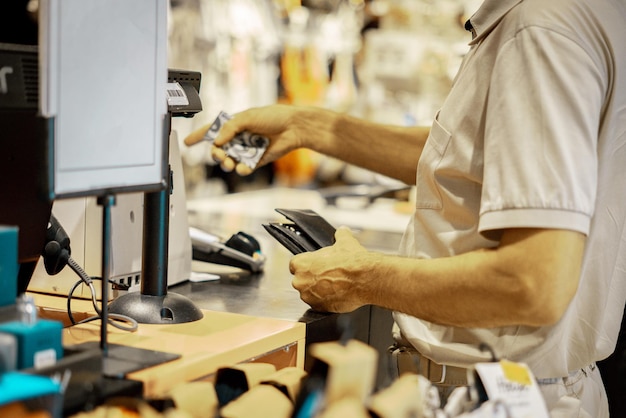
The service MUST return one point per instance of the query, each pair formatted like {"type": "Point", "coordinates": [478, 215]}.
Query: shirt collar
{"type": "Point", "coordinates": [487, 17]}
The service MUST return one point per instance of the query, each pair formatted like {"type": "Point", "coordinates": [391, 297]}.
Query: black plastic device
{"type": "Point", "coordinates": [307, 231]}
{"type": "Point", "coordinates": [241, 250]}
{"type": "Point", "coordinates": [189, 81]}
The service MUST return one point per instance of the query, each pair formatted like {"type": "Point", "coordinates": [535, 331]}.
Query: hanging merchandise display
{"type": "Point", "coordinates": [410, 59]}
{"type": "Point", "coordinates": [304, 79]}
{"type": "Point", "coordinates": [318, 69]}
{"type": "Point", "coordinates": [235, 45]}
{"type": "Point", "coordinates": [303, 64]}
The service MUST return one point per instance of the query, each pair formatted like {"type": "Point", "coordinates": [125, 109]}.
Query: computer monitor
{"type": "Point", "coordinates": [104, 87]}
{"type": "Point", "coordinates": [97, 124]}
{"type": "Point", "coordinates": [102, 92]}
{"type": "Point", "coordinates": [24, 194]}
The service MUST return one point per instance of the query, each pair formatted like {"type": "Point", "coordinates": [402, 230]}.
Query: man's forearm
{"type": "Point", "coordinates": [520, 283]}
{"type": "Point", "coordinates": [529, 279]}
{"type": "Point", "coordinates": [386, 149]}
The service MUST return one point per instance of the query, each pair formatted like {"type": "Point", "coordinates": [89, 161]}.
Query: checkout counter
{"type": "Point", "coordinates": [378, 226]}
{"type": "Point", "coordinates": [249, 317]}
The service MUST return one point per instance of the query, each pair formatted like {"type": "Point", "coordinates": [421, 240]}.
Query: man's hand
{"type": "Point", "coordinates": [529, 279]}
{"type": "Point", "coordinates": [331, 279]}
{"type": "Point", "coordinates": [277, 123]}
{"type": "Point", "coordinates": [355, 141]}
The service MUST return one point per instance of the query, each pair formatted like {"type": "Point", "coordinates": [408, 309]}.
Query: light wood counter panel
{"type": "Point", "coordinates": [217, 340]}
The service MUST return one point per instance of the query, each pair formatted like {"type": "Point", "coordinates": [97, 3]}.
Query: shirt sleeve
{"type": "Point", "coordinates": [541, 129]}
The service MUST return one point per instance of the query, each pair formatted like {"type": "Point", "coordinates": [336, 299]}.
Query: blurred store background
{"type": "Point", "coordinates": [384, 60]}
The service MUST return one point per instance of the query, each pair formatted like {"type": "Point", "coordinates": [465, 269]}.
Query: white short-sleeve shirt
{"type": "Point", "coordinates": [532, 134]}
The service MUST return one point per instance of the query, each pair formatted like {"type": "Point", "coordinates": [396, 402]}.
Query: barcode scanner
{"type": "Point", "coordinates": [57, 251]}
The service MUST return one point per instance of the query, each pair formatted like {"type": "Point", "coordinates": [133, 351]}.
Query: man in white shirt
{"type": "Point", "coordinates": [517, 236]}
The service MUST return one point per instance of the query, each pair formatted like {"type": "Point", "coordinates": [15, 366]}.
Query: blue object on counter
{"type": "Point", "coordinates": [8, 265]}
{"type": "Point", "coordinates": [15, 386]}
{"type": "Point", "coordinates": [39, 343]}
{"type": "Point", "coordinates": [35, 392]}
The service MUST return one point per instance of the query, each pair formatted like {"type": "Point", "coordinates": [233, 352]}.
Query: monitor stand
{"type": "Point", "coordinates": [118, 360]}
{"type": "Point", "coordinates": [121, 359]}
{"type": "Point", "coordinates": [153, 304]}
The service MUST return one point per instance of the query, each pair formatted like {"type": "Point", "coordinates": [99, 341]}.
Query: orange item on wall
{"type": "Point", "coordinates": [297, 168]}
{"type": "Point", "coordinates": [304, 74]}
{"type": "Point", "coordinates": [305, 78]}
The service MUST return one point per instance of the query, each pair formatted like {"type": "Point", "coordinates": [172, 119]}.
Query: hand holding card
{"type": "Point", "coordinates": [245, 147]}
{"type": "Point", "coordinates": [307, 231]}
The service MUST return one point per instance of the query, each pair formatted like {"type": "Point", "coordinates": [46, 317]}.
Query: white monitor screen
{"type": "Point", "coordinates": [103, 67]}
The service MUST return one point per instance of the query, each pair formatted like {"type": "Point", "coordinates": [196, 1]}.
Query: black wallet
{"type": "Point", "coordinates": [307, 230]}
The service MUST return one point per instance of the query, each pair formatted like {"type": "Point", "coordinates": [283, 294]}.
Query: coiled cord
{"type": "Point", "coordinates": [123, 322]}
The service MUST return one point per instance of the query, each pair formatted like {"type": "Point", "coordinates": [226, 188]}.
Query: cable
{"type": "Point", "coordinates": [116, 320]}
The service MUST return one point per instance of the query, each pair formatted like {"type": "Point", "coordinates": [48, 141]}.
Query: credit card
{"type": "Point", "coordinates": [246, 147]}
